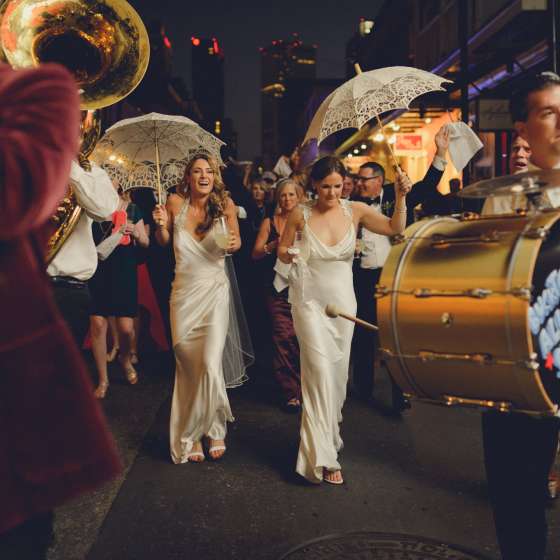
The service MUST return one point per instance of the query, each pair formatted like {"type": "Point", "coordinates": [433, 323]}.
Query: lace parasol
{"type": "Point", "coordinates": [153, 150]}
{"type": "Point", "coordinates": [369, 94]}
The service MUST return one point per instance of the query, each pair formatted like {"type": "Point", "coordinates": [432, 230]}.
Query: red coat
{"type": "Point", "coordinates": [54, 441]}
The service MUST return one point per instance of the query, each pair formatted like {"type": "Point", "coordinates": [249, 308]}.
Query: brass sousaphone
{"type": "Point", "coordinates": [103, 43]}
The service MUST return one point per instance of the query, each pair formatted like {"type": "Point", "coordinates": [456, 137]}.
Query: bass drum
{"type": "Point", "coordinates": [469, 312]}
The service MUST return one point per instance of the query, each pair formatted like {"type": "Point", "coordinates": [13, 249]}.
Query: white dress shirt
{"type": "Point", "coordinates": [99, 199]}
{"type": "Point", "coordinates": [375, 247]}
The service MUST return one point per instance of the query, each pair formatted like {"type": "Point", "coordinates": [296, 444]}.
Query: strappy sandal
{"type": "Point", "coordinates": [131, 375]}
{"type": "Point", "coordinates": [101, 390]}
{"type": "Point", "coordinates": [112, 354]}
{"type": "Point", "coordinates": [216, 449]}
{"type": "Point", "coordinates": [192, 454]}
{"type": "Point", "coordinates": [331, 480]}
{"type": "Point", "coordinates": [293, 405]}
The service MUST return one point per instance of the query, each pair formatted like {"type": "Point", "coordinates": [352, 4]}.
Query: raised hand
{"type": "Point", "coordinates": [442, 140]}
{"type": "Point", "coordinates": [403, 184]}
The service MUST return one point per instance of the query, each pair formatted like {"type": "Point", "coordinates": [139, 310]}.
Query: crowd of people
{"type": "Point", "coordinates": [315, 238]}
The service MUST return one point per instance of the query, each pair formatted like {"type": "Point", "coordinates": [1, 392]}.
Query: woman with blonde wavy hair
{"type": "Point", "coordinates": [199, 308]}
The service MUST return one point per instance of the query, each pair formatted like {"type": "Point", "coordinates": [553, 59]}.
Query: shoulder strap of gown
{"type": "Point", "coordinates": [346, 207]}
{"type": "Point", "coordinates": [306, 210]}
{"type": "Point", "coordinates": [180, 219]}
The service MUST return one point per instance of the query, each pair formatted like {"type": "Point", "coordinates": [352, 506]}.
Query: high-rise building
{"type": "Point", "coordinates": [282, 63]}
{"type": "Point", "coordinates": [208, 81]}
{"type": "Point", "coordinates": [359, 47]}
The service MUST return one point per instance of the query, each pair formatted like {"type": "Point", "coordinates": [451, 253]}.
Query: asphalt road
{"type": "Point", "coordinates": [419, 475]}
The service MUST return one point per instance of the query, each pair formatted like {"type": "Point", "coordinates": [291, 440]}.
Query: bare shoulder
{"type": "Point", "coordinates": [230, 206]}
{"type": "Point", "coordinates": [174, 202]}
{"type": "Point", "coordinates": [358, 208]}
{"type": "Point", "coordinates": [296, 216]}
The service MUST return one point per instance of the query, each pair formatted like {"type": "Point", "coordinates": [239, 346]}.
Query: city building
{"type": "Point", "coordinates": [288, 68]}
{"type": "Point", "coordinates": [484, 46]}
{"type": "Point", "coordinates": [159, 91]}
{"type": "Point", "coordinates": [207, 70]}
{"type": "Point", "coordinates": [358, 48]}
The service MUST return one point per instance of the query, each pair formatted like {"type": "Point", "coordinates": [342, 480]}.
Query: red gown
{"type": "Point", "coordinates": [54, 442]}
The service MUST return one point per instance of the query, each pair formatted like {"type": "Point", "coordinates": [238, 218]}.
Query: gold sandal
{"type": "Point", "coordinates": [101, 390]}
{"type": "Point", "coordinates": [131, 375]}
{"type": "Point", "coordinates": [112, 354]}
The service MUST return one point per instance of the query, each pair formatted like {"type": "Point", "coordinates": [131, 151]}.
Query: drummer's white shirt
{"type": "Point", "coordinates": [510, 203]}
{"type": "Point", "coordinates": [97, 196]}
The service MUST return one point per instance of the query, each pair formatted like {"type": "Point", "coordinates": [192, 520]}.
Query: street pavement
{"type": "Point", "coordinates": [421, 474]}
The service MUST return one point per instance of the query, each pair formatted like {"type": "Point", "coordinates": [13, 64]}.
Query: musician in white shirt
{"type": "Point", "coordinates": [76, 261]}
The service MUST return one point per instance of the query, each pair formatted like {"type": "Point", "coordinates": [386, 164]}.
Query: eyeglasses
{"type": "Point", "coordinates": [360, 178]}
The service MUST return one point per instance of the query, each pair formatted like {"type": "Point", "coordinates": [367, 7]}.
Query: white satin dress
{"type": "Point", "coordinates": [199, 312]}
{"type": "Point", "coordinates": [326, 278]}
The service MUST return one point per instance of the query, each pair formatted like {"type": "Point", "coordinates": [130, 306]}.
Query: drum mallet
{"type": "Point", "coordinates": [334, 312]}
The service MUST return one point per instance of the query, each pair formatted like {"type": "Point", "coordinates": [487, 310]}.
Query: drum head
{"type": "Point", "coordinates": [544, 313]}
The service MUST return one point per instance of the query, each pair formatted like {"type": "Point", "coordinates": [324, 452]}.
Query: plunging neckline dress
{"type": "Point", "coordinates": [199, 314]}
{"type": "Point", "coordinates": [325, 278]}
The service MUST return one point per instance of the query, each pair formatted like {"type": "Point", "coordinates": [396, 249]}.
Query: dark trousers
{"type": "Point", "coordinates": [518, 453]}
{"type": "Point", "coordinates": [28, 541]}
{"type": "Point", "coordinates": [365, 342]}
{"type": "Point", "coordinates": [73, 303]}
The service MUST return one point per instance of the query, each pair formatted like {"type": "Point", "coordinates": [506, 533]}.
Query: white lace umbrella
{"type": "Point", "coordinates": [153, 150]}
{"type": "Point", "coordinates": [369, 94]}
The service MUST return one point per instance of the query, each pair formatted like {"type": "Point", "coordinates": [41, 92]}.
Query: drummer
{"type": "Point", "coordinates": [519, 449]}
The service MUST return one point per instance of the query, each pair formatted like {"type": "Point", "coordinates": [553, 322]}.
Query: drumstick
{"type": "Point", "coordinates": [333, 312]}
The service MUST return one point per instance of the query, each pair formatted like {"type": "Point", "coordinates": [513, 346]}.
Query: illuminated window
{"type": "Point", "coordinates": [218, 127]}
{"type": "Point", "coordinates": [365, 27]}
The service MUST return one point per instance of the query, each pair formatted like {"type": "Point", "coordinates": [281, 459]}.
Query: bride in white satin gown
{"type": "Point", "coordinates": [199, 309]}
{"type": "Point", "coordinates": [322, 274]}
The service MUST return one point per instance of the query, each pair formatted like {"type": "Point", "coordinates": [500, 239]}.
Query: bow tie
{"type": "Point", "coordinates": [369, 201]}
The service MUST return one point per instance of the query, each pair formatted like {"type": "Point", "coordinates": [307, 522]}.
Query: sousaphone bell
{"type": "Point", "coordinates": [103, 43]}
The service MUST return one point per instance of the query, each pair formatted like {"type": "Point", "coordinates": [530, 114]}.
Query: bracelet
{"type": "Point", "coordinates": [401, 210]}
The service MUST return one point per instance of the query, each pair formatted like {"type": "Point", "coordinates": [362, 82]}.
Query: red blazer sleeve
{"type": "Point", "coordinates": [39, 132]}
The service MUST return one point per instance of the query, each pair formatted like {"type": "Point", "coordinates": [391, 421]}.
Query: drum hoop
{"type": "Point", "coordinates": [394, 300]}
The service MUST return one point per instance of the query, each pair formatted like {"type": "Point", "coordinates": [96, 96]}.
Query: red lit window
{"type": "Point", "coordinates": [166, 42]}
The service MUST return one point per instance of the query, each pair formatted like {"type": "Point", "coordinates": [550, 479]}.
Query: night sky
{"type": "Point", "coordinates": [244, 26]}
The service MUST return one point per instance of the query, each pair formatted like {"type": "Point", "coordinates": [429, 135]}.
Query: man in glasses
{"type": "Point", "coordinates": [374, 252]}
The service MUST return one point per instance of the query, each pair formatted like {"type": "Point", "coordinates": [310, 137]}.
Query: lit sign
{"type": "Point", "coordinates": [195, 41]}
{"type": "Point", "coordinates": [408, 142]}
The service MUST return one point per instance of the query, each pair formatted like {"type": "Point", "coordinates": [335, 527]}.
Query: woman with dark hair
{"type": "Point", "coordinates": [200, 313]}
{"type": "Point", "coordinates": [114, 290]}
{"type": "Point", "coordinates": [320, 239]}
{"type": "Point", "coordinates": [285, 361]}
